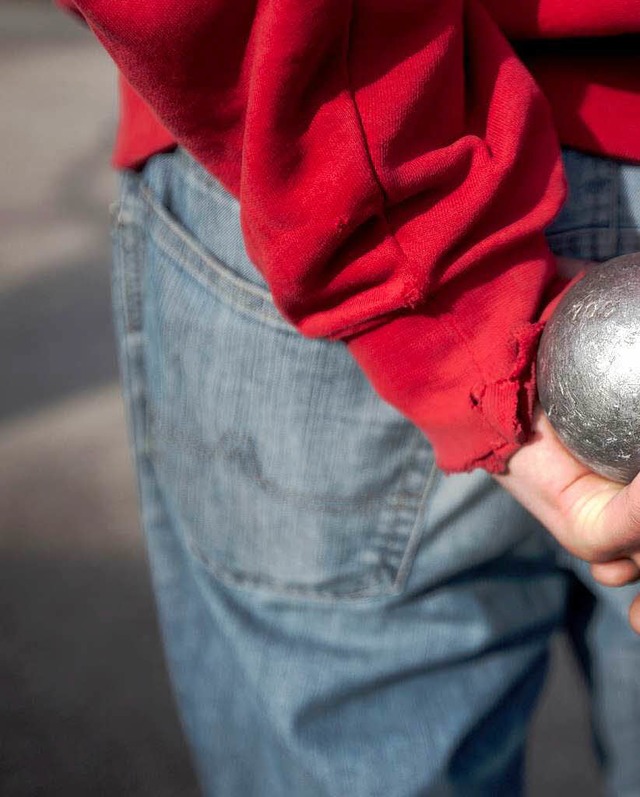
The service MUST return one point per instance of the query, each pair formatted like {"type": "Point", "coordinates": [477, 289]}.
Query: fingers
{"type": "Point", "coordinates": [617, 573]}
{"type": "Point", "coordinates": [634, 615]}
{"type": "Point", "coordinates": [615, 523]}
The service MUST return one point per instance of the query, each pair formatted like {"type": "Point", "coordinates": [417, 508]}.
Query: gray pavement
{"type": "Point", "coordinates": [86, 703]}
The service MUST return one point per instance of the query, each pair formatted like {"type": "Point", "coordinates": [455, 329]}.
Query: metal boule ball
{"type": "Point", "coordinates": [588, 368]}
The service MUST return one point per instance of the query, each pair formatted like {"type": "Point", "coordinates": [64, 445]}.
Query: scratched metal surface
{"type": "Point", "coordinates": [589, 368]}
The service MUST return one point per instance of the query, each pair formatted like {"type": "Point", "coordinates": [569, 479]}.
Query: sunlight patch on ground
{"type": "Point", "coordinates": [66, 480]}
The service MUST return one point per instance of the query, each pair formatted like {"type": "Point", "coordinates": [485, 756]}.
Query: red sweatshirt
{"type": "Point", "coordinates": [397, 163]}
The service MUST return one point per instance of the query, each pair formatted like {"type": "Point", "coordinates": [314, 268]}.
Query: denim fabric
{"type": "Point", "coordinates": [340, 618]}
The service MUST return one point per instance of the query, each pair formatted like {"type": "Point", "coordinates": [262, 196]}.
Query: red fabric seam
{"type": "Point", "coordinates": [411, 293]}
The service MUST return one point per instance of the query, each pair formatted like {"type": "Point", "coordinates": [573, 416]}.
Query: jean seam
{"type": "Point", "coordinates": [417, 532]}
{"type": "Point", "coordinates": [405, 510]}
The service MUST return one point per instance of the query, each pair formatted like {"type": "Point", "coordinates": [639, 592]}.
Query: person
{"type": "Point", "coordinates": [340, 232]}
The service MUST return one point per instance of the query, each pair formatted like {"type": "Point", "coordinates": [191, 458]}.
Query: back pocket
{"type": "Point", "coordinates": [279, 463]}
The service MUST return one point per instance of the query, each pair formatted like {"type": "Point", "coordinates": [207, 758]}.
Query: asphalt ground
{"type": "Point", "coordinates": [85, 702]}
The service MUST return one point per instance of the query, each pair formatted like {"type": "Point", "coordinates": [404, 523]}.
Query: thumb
{"type": "Point", "coordinates": [616, 521]}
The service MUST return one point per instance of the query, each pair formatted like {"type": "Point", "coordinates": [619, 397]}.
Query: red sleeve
{"type": "Point", "coordinates": [396, 166]}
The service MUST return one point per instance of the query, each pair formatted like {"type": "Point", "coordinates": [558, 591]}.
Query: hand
{"type": "Point", "coordinates": [595, 519]}
{"type": "Point", "coordinates": [592, 517]}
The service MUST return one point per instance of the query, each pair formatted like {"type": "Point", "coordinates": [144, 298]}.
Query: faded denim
{"type": "Point", "coordinates": [339, 618]}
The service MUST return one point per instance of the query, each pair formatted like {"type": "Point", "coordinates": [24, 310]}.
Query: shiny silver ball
{"type": "Point", "coordinates": [588, 368]}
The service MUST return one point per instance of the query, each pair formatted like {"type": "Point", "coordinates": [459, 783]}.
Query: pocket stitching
{"type": "Point", "coordinates": [278, 588]}
{"type": "Point", "coordinates": [208, 270]}
{"type": "Point", "coordinates": [376, 582]}
{"type": "Point", "coordinates": [338, 505]}
{"type": "Point", "coordinates": [385, 579]}
{"type": "Point", "coordinates": [417, 532]}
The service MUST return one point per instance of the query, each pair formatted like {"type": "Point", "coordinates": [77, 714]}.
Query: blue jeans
{"type": "Point", "coordinates": [339, 617]}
